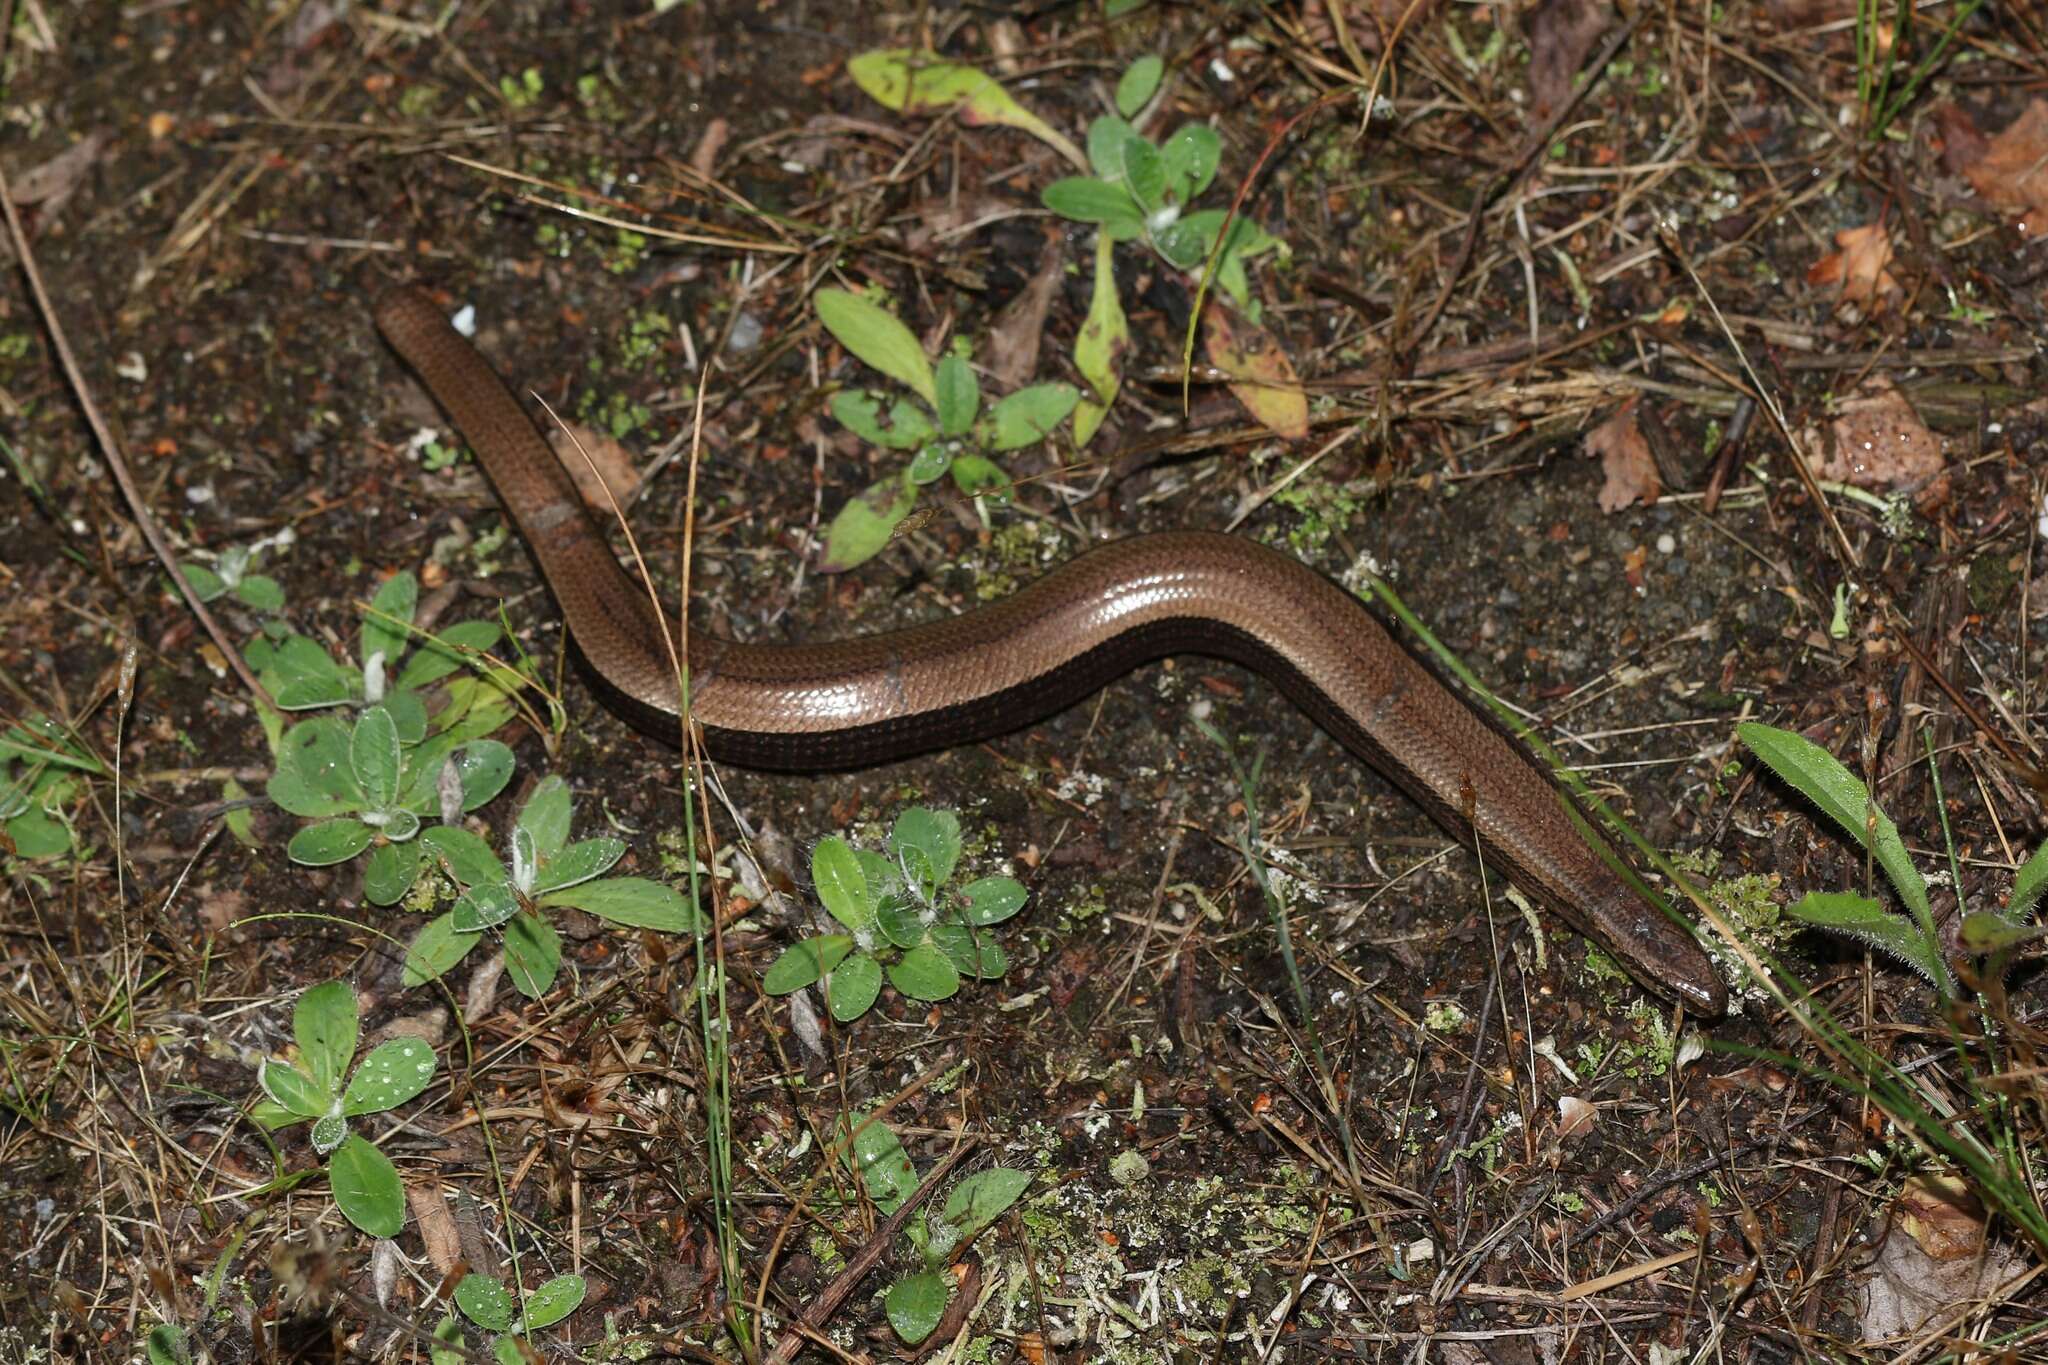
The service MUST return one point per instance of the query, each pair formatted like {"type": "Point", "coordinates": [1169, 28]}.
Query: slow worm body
{"type": "Point", "coordinates": [847, 703]}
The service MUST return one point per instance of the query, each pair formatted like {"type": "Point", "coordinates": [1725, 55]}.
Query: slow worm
{"type": "Point", "coordinates": [873, 698]}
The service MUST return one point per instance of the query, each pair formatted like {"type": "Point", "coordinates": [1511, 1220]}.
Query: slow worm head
{"type": "Point", "coordinates": [873, 698]}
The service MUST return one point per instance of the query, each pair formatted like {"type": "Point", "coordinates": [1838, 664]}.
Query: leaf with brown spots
{"type": "Point", "coordinates": [1261, 376]}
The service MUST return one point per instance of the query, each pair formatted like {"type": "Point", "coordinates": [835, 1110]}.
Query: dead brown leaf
{"type": "Point", "coordinates": [614, 467]}
{"type": "Point", "coordinates": [52, 183]}
{"type": "Point", "coordinates": [437, 1226]}
{"type": "Point", "coordinates": [1574, 1117]}
{"type": "Point", "coordinates": [1625, 460]}
{"type": "Point", "coordinates": [704, 156]}
{"type": "Point", "coordinates": [1878, 441]}
{"type": "Point", "coordinates": [1935, 1259]}
{"type": "Point", "coordinates": [1562, 33]}
{"type": "Point", "coordinates": [1860, 269]}
{"type": "Point", "coordinates": [1017, 331]}
{"type": "Point", "coordinates": [2012, 172]}
{"type": "Point", "coordinates": [1261, 376]}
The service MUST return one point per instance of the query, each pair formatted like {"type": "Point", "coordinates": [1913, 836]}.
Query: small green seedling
{"type": "Point", "coordinates": [166, 1345]}
{"type": "Point", "coordinates": [301, 676]}
{"type": "Point", "coordinates": [231, 575]}
{"type": "Point", "coordinates": [945, 431]}
{"type": "Point", "coordinates": [547, 871]}
{"type": "Point", "coordinates": [363, 786]}
{"type": "Point", "coordinates": [491, 1306]}
{"type": "Point", "coordinates": [42, 769]}
{"type": "Point", "coordinates": [916, 1302]}
{"type": "Point", "coordinates": [897, 906]}
{"type": "Point", "coordinates": [1141, 191]}
{"type": "Point", "coordinates": [1910, 938]}
{"type": "Point", "coordinates": [365, 1183]}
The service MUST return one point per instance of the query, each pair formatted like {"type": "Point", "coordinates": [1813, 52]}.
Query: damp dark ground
{"type": "Point", "coordinates": [1480, 1141]}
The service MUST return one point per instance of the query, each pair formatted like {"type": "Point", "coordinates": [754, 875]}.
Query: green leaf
{"type": "Point", "coordinates": [916, 1303]}
{"type": "Point", "coordinates": [982, 1198]}
{"type": "Point", "coordinates": [330, 1130]}
{"type": "Point", "coordinates": [307, 694]}
{"type": "Point", "coordinates": [885, 1168]}
{"type": "Point", "coordinates": [533, 953]}
{"type": "Point", "coordinates": [930, 463]}
{"type": "Point", "coordinates": [271, 1115]}
{"type": "Point", "coordinates": [390, 873]}
{"type": "Point", "coordinates": [991, 900]}
{"type": "Point", "coordinates": [852, 987]}
{"type": "Point", "coordinates": [1983, 932]}
{"type": "Point", "coordinates": [843, 885]}
{"type": "Point", "coordinates": [448, 1331]}
{"type": "Point", "coordinates": [1145, 173]}
{"type": "Point", "coordinates": [899, 919]}
{"type": "Point", "coordinates": [313, 777]}
{"type": "Point", "coordinates": [409, 713]}
{"type": "Point", "coordinates": [324, 1024]}
{"type": "Point", "coordinates": [485, 906]}
{"type": "Point", "coordinates": [1819, 776]}
{"type": "Point", "coordinates": [924, 973]}
{"type": "Point", "coordinates": [387, 625]}
{"type": "Point", "coordinates": [485, 1302]}
{"type": "Point", "coordinates": [927, 844]}
{"type": "Point", "coordinates": [959, 396]}
{"type": "Point", "coordinates": [166, 1345]}
{"type": "Point", "coordinates": [483, 767]}
{"type": "Point", "coordinates": [973, 952]}
{"type": "Point", "coordinates": [329, 842]}
{"type": "Point", "coordinates": [978, 476]}
{"type": "Point", "coordinates": [451, 650]}
{"type": "Point", "coordinates": [1031, 414]}
{"type": "Point", "coordinates": [470, 860]}
{"type": "Point", "coordinates": [803, 963]}
{"type": "Point", "coordinates": [366, 1187]}
{"type": "Point", "coordinates": [1183, 243]}
{"type": "Point", "coordinates": [1863, 919]}
{"type": "Point", "coordinates": [435, 949]}
{"type": "Point", "coordinates": [866, 523]}
{"type": "Point", "coordinates": [293, 1090]}
{"type": "Point", "coordinates": [1140, 80]}
{"type": "Point", "coordinates": [296, 659]}
{"type": "Point", "coordinates": [579, 862]}
{"type": "Point", "coordinates": [860, 413]}
{"type": "Point", "coordinates": [553, 1301]}
{"type": "Point", "coordinates": [393, 1073]}
{"type": "Point", "coordinates": [1099, 348]}
{"type": "Point", "coordinates": [206, 585]}
{"type": "Point", "coordinates": [373, 757]}
{"type": "Point", "coordinates": [506, 1351]}
{"type": "Point", "coordinates": [1190, 158]}
{"type": "Point", "coordinates": [2028, 884]}
{"type": "Point", "coordinates": [878, 338]}
{"type": "Point", "coordinates": [1084, 199]}
{"type": "Point", "coordinates": [260, 592]}
{"type": "Point", "coordinates": [914, 82]}
{"type": "Point", "coordinates": [1107, 135]}
{"type": "Point", "coordinates": [637, 902]}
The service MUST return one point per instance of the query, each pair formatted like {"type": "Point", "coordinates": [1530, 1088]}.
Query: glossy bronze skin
{"type": "Point", "coordinates": [873, 698]}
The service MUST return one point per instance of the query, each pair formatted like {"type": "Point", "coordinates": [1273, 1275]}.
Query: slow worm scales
{"type": "Point", "coordinates": [874, 698]}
